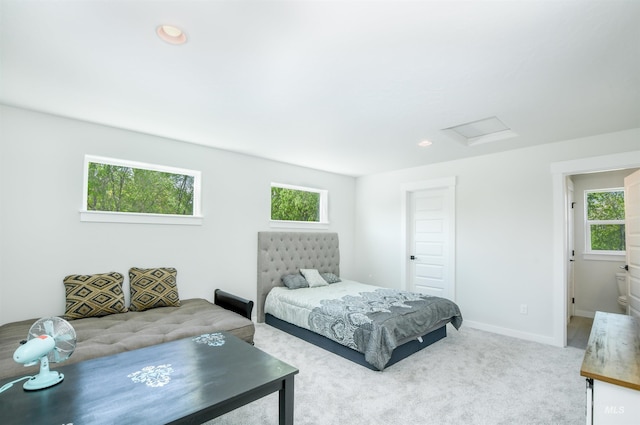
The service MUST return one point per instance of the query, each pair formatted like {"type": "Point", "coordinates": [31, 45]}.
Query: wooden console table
{"type": "Point", "coordinates": [612, 367]}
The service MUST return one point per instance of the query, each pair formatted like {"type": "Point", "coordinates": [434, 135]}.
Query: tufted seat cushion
{"type": "Point", "coordinates": [116, 333]}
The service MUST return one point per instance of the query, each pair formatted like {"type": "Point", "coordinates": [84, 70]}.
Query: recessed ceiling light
{"type": "Point", "coordinates": [425, 143]}
{"type": "Point", "coordinates": [171, 34]}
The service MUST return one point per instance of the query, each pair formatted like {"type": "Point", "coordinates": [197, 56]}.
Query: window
{"type": "Point", "coordinates": [604, 221]}
{"type": "Point", "coordinates": [117, 190]}
{"type": "Point", "coordinates": [296, 206]}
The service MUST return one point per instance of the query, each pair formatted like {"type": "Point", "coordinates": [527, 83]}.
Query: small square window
{"type": "Point", "coordinates": [296, 204]}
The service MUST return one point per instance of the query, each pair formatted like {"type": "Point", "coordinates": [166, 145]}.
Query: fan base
{"type": "Point", "coordinates": [43, 380]}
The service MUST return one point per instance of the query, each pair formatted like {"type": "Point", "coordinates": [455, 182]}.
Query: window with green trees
{"type": "Point", "coordinates": [299, 204]}
{"type": "Point", "coordinates": [605, 225]}
{"type": "Point", "coordinates": [119, 186]}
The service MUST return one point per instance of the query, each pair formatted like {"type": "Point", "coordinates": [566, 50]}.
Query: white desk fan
{"type": "Point", "coordinates": [50, 339]}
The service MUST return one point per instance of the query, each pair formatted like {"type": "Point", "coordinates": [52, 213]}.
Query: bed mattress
{"type": "Point", "coordinates": [369, 319]}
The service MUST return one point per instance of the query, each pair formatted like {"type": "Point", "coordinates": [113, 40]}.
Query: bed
{"type": "Point", "coordinates": [373, 326]}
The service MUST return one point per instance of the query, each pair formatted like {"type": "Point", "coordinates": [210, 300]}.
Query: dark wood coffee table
{"type": "Point", "coordinates": [180, 382]}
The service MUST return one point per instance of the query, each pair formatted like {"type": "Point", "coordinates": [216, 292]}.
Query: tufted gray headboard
{"type": "Point", "coordinates": [282, 253]}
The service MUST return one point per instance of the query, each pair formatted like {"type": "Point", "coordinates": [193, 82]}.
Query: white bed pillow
{"type": "Point", "coordinates": [313, 278]}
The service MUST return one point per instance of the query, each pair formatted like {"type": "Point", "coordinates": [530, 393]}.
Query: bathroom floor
{"type": "Point", "coordinates": [578, 331]}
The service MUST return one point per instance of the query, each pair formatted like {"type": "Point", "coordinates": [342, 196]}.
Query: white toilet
{"type": "Point", "coordinates": [621, 279]}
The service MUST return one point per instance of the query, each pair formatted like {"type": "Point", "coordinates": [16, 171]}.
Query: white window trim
{"type": "Point", "coordinates": [322, 223]}
{"type": "Point", "coordinates": [604, 256]}
{"type": "Point", "coordinates": [141, 218]}
{"type": "Point", "coordinates": [595, 255]}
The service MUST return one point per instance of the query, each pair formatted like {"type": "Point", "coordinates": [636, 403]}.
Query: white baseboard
{"type": "Point", "coordinates": [592, 314]}
{"type": "Point", "coordinates": [510, 332]}
{"type": "Point", "coordinates": [585, 313]}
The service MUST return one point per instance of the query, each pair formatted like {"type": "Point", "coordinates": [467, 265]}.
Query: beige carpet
{"type": "Point", "coordinates": [470, 377]}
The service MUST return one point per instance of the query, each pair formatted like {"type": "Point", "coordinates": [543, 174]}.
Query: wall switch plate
{"type": "Point", "coordinates": [524, 309]}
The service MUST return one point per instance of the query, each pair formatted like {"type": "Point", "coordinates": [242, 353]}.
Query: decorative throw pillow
{"type": "Point", "coordinates": [330, 277]}
{"type": "Point", "coordinates": [93, 295]}
{"type": "Point", "coordinates": [313, 277]}
{"type": "Point", "coordinates": [294, 281]}
{"type": "Point", "coordinates": [151, 288]}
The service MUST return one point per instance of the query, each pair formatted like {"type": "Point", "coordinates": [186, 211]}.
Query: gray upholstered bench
{"type": "Point", "coordinates": [115, 333]}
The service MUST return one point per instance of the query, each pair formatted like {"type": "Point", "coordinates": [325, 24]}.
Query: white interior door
{"type": "Point", "coordinates": [632, 236]}
{"type": "Point", "coordinates": [571, 250]}
{"type": "Point", "coordinates": [431, 242]}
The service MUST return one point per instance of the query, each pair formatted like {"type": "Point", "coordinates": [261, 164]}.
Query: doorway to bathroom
{"type": "Point", "coordinates": [561, 172]}
{"type": "Point", "coordinates": [592, 278]}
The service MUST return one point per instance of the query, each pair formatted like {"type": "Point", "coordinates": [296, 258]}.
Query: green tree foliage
{"type": "Point", "coordinates": [126, 189]}
{"type": "Point", "coordinates": [294, 205]}
{"type": "Point", "coordinates": [606, 206]}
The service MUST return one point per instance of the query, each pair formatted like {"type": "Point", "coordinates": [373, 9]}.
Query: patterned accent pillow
{"type": "Point", "coordinates": [294, 281]}
{"type": "Point", "coordinates": [93, 295]}
{"type": "Point", "coordinates": [151, 288]}
{"type": "Point", "coordinates": [330, 277]}
{"type": "Point", "coordinates": [313, 277]}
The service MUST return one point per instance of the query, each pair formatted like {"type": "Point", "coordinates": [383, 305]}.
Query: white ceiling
{"type": "Point", "coordinates": [344, 86]}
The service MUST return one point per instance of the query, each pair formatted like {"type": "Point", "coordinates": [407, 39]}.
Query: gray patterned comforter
{"type": "Point", "coordinates": [375, 323]}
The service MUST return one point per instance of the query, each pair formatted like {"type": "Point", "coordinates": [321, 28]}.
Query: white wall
{"type": "Point", "coordinates": [595, 284]}
{"type": "Point", "coordinates": [504, 227]}
{"type": "Point", "coordinates": [504, 231]}
{"type": "Point", "coordinates": [42, 239]}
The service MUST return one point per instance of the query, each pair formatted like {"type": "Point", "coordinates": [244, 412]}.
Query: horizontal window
{"type": "Point", "coordinates": [124, 191]}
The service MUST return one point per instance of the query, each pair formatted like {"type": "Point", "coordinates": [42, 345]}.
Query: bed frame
{"type": "Point", "coordinates": [282, 253]}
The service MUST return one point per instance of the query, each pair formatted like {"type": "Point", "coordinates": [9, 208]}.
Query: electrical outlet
{"type": "Point", "coordinates": [524, 309]}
